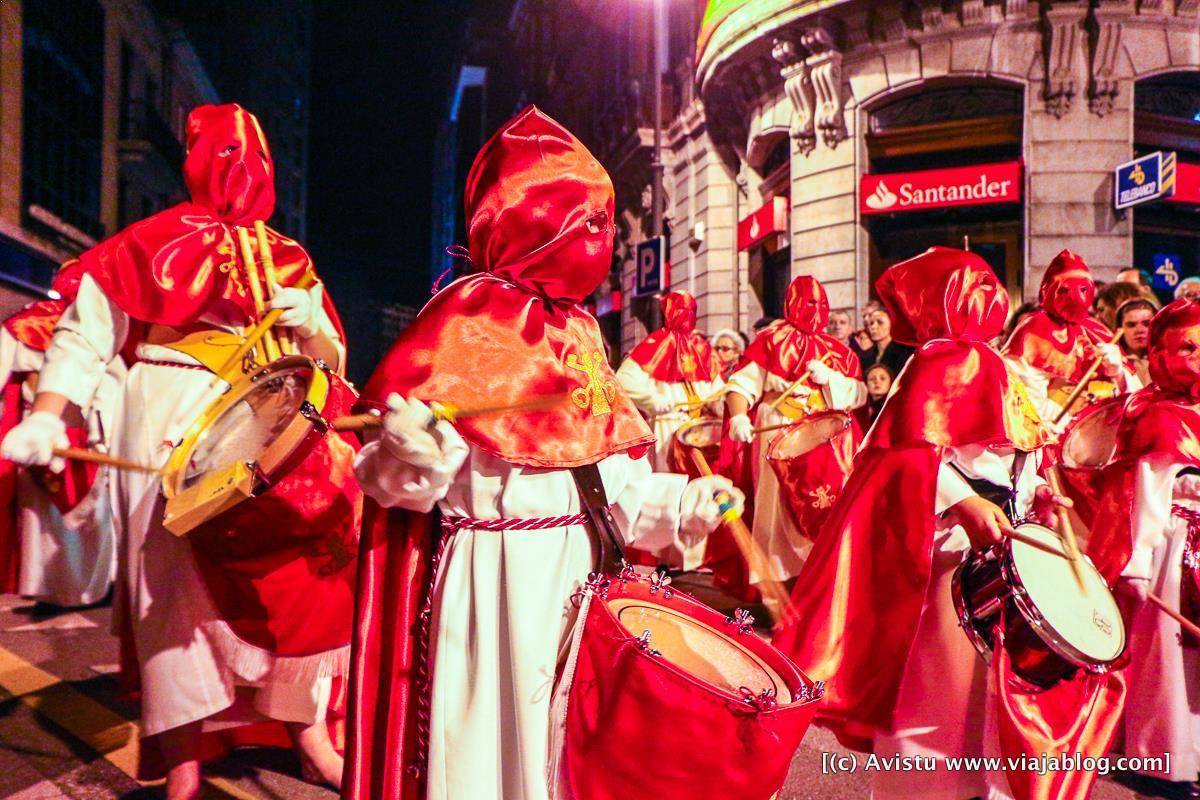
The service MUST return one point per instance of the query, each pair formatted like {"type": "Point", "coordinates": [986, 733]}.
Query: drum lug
{"type": "Point", "coordinates": [321, 365]}
{"type": "Point", "coordinates": [310, 413]}
{"type": "Point", "coordinates": [742, 620]}
{"type": "Point", "coordinates": [643, 643]}
{"type": "Point", "coordinates": [766, 700]}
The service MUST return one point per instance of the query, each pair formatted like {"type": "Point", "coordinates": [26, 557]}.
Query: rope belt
{"type": "Point", "coordinates": [451, 526]}
{"type": "Point", "coordinates": [1191, 547]}
{"type": "Point", "coordinates": [155, 363]}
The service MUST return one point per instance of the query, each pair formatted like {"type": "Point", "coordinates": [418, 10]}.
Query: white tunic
{"type": "Point", "coordinates": [66, 559]}
{"type": "Point", "coordinates": [785, 547]}
{"type": "Point", "coordinates": [647, 393]}
{"type": "Point", "coordinates": [502, 611]}
{"type": "Point", "coordinates": [1162, 709]}
{"type": "Point", "coordinates": [188, 669]}
{"type": "Point", "coordinates": [1037, 386]}
{"type": "Point", "coordinates": [946, 703]}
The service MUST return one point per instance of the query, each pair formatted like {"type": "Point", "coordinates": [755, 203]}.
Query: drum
{"type": "Point", "coordinates": [658, 684]}
{"type": "Point", "coordinates": [265, 423]}
{"type": "Point", "coordinates": [1091, 438]}
{"type": "Point", "coordinates": [1097, 390]}
{"type": "Point", "coordinates": [700, 434]}
{"type": "Point", "coordinates": [812, 460]}
{"type": "Point", "coordinates": [1051, 628]}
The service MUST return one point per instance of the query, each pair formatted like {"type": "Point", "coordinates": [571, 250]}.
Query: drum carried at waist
{"type": "Point", "coordinates": [700, 434]}
{"type": "Point", "coordinates": [666, 698]}
{"type": "Point", "coordinates": [812, 460]}
{"type": "Point", "coordinates": [1096, 391]}
{"type": "Point", "coordinates": [1052, 628]}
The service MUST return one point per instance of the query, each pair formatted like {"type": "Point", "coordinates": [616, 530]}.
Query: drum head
{"type": "Point", "coordinates": [1088, 621]}
{"type": "Point", "coordinates": [700, 433]}
{"type": "Point", "coordinates": [806, 436]}
{"type": "Point", "coordinates": [1092, 438]}
{"type": "Point", "coordinates": [697, 649]}
{"type": "Point", "coordinates": [247, 420]}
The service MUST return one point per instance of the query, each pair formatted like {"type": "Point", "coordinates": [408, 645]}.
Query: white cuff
{"type": "Point", "coordinates": [952, 489]}
{"type": "Point", "coordinates": [392, 482]}
{"type": "Point", "coordinates": [1141, 564]}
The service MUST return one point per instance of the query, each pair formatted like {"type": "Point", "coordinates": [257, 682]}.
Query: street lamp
{"type": "Point", "coordinates": [656, 162]}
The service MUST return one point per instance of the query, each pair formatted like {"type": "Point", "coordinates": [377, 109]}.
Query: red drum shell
{"type": "Point", "coordinates": [700, 434]}
{"type": "Point", "coordinates": [1086, 447]}
{"type": "Point", "coordinates": [812, 460]}
{"type": "Point", "coordinates": [640, 726]}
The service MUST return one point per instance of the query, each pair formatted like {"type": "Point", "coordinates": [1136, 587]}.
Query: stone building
{"type": "Point", "coordinates": [93, 99]}
{"type": "Point", "coordinates": [861, 133]}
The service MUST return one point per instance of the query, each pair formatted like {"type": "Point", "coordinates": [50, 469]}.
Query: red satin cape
{"type": "Point", "coordinates": [675, 352]}
{"type": "Point", "coordinates": [33, 326]}
{"type": "Point", "coordinates": [1061, 349]}
{"type": "Point", "coordinates": [483, 341]}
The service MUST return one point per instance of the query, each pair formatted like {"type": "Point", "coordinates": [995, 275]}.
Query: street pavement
{"type": "Point", "coordinates": [65, 732]}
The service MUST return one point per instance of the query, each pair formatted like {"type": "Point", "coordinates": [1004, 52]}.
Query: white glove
{"type": "Point", "coordinates": [1137, 589]}
{"type": "Point", "coordinates": [411, 436]}
{"type": "Point", "coordinates": [740, 428]}
{"type": "Point", "coordinates": [1112, 356]}
{"type": "Point", "coordinates": [819, 373]}
{"type": "Point", "coordinates": [661, 407]}
{"type": "Point", "coordinates": [302, 308]}
{"type": "Point", "coordinates": [699, 509]}
{"type": "Point", "coordinates": [34, 440]}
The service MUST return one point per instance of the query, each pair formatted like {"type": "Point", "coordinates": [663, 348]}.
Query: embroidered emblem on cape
{"type": "Point", "coordinates": [823, 496]}
{"type": "Point", "coordinates": [598, 392]}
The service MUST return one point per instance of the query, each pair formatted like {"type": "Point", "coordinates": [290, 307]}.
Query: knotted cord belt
{"type": "Point", "coordinates": [451, 526]}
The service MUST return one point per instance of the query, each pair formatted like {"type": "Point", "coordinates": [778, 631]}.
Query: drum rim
{"type": "Point", "coordinates": [754, 657]}
{"type": "Point", "coordinates": [1041, 626]}
{"type": "Point", "coordinates": [816, 416]}
{"type": "Point", "coordinates": [275, 453]}
{"type": "Point", "coordinates": [694, 422]}
{"type": "Point", "coordinates": [806, 691]}
{"type": "Point", "coordinates": [1097, 408]}
{"type": "Point", "coordinates": [963, 611]}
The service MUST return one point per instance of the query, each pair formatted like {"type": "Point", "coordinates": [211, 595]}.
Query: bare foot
{"type": "Point", "coordinates": [183, 781]}
{"type": "Point", "coordinates": [319, 761]}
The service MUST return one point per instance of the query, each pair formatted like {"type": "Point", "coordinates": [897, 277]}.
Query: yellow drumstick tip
{"type": "Point", "coordinates": [445, 412]}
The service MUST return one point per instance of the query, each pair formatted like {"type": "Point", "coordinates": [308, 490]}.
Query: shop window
{"type": "Point", "coordinates": [1166, 234]}
{"type": "Point", "coordinates": [63, 52]}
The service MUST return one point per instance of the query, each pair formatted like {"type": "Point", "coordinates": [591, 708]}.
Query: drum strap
{"type": "Point", "coordinates": [596, 506]}
{"type": "Point", "coordinates": [1003, 496]}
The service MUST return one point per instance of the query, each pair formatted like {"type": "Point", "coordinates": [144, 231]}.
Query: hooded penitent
{"type": "Point", "coordinates": [676, 352]}
{"type": "Point", "coordinates": [539, 209]}
{"type": "Point", "coordinates": [786, 346]}
{"type": "Point", "coordinates": [183, 262]}
{"type": "Point", "coordinates": [860, 595]}
{"type": "Point", "coordinates": [1161, 421]}
{"type": "Point", "coordinates": [1060, 337]}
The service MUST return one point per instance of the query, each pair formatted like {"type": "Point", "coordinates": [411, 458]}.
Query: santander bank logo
{"type": "Point", "coordinates": [881, 198]}
{"type": "Point", "coordinates": [941, 188]}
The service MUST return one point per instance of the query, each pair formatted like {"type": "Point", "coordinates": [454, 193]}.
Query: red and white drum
{"type": "Point", "coordinates": [665, 698]}
{"type": "Point", "coordinates": [812, 460]}
{"type": "Point", "coordinates": [699, 434]}
{"type": "Point", "coordinates": [1052, 628]}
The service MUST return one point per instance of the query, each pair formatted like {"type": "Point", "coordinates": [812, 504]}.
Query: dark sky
{"type": "Point", "coordinates": [379, 81]}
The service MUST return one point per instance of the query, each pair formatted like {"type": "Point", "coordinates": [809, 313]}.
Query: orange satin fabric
{"type": "Point", "coordinates": [1059, 338]}
{"type": "Point", "coordinates": [785, 347]}
{"type": "Point", "coordinates": [540, 210]}
{"type": "Point", "coordinates": [858, 599]}
{"type": "Point", "coordinates": [33, 326]}
{"type": "Point", "coordinates": [1076, 718]}
{"type": "Point", "coordinates": [675, 352]}
{"type": "Point", "coordinates": [184, 262]}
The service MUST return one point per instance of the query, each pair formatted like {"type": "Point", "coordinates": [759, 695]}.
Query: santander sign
{"type": "Point", "coordinates": [977, 184]}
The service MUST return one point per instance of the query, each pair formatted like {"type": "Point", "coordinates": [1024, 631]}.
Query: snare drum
{"type": "Point", "coordinates": [1051, 628]}
{"type": "Point", "coordinates": [812, 460]}
{"type": "Point", "coordinates": [666, 698]}
{"type": "Point", "coordinates": [700, 434]}
{"type": "Point", "coordinates": [267, 421]}
{"type": "Point", "coordinates": [1091, 438]}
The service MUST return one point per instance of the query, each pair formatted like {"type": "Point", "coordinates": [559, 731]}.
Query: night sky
{"type": "Point", "coordinates": [380, 77]}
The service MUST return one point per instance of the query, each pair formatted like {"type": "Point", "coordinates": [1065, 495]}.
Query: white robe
{"type": "Point", "coordinates": [66, 559]}
{"type": "Point", "coordinates": [784, 546]}
{"type": "Point", "coordinates": [189, 669]}
{"type": "Point", "coordinates": [1162, 709]}
{"type": "Point", "coordinates": [1037, 387]}
{"type": "Point", "coordinates": [646, 392]}
{"type": "Point", "coordinates": [502, 613]}
{"type": "Point", "coordinates": [946, 705]}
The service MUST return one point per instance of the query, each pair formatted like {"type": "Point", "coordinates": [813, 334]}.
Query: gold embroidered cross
{"type": "Point", "coordinates": [823, 496]}
{"type": "Point", "coordinates": [597, 393]}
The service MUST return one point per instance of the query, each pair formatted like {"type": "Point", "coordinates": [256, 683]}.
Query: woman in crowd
{"type": "Point", "coordinates": [1133, 320]}
{"type": "Point", "coordinates": [879, 378]}
{"type": "Point", "coordinates": [884, 350]}
{"type": "Point", "coordinates": [1109, 299]}
{"type": "Point", "coordinates": [729, 346]}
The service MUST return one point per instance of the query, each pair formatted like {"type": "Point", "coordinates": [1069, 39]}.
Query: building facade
{"type": "Point", "coordinates": [93, 98]}
{"type": "Point", "coordinates": [861, 133]}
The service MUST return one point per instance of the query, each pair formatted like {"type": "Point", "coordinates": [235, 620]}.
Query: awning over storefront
{"type": "Point", "coordinates": [769, 219]}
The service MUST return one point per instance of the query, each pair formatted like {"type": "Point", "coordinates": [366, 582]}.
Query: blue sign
{"type": "Point", "coordinates": [651, 256]}
{"type": "Point", "coordinates": [1144, 179]}
{"type": "Point", "coordinates": [1167, 268]}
